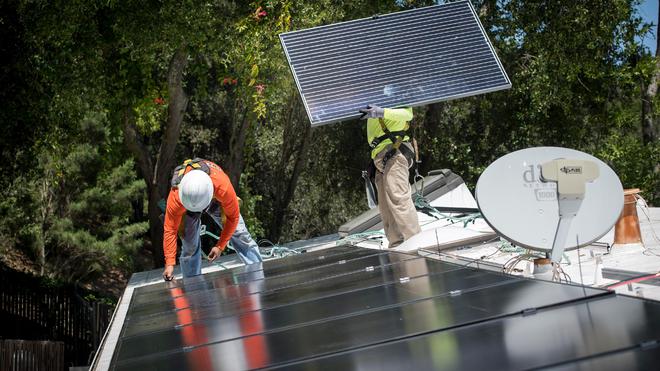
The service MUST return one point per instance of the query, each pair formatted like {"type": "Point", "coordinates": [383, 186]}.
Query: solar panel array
{"type": "Point", "coordinates": [348, 308]}
{"type": "Point", "coordinates": [408, 58]}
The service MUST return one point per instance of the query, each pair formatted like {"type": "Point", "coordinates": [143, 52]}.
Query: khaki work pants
{"type": "Point", "coordinates": [394, 198]}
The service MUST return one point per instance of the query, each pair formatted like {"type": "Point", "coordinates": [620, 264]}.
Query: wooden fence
{"type": "Point", "coordinates": [23, 355]}
{"type": "Point", "coordinates": [31, 310]}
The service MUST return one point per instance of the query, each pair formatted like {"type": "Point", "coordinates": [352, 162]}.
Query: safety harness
{"type": "Point", "coordinates": [181, 170]}
{"type": "Point", "coordinates": [394, 136]}
{"type": "Point", "coordinates": [397, 137]}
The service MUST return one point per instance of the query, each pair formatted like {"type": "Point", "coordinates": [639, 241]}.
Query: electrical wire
{"type": "Point", "coordinates": [584, 289]}
{"type": "Point", "coordinates": [275, 250]}
{"type": "Point", "coordinates": [499, 248]}
{"type": "Point", "coordinates": [558, 273]}
{"type": "Point", "coordinates": [644, 209]}
{"type": "Point", "coordinates": [357, 238]}
{"type": "Point", "coordinates": [422, 205]}
{"type": "Point", "coordinates": [511, 264]}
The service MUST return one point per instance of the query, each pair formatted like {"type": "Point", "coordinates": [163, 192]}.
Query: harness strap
{"type": "Point", "coordinates": [181, 170]}
{"type": "Point", "coordinates": [374, 143]}
{"type": "Point", "coordinates": [396, 141]}
{"type": "Point", "coordinates": [405, 151]}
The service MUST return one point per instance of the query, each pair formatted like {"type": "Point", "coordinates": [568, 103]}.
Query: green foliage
{"type": "Point", "coordinates": [249, 203]}
{"type": "Point", "coordinates": [95, 207]}
{"type": "Point", "coordinates": [576, 71]}
{"type": "Point", "coordinates": [75, 69]}
{"type": "Point", "coordinates": [150, 113]}
{"type": "Point", "coordinates": [330, 190]}
{"type": "Point", "coordinates": [93, 298]}
{"type": "Point", "coordinates": [18, 225]}
{"type": "Point", "coordinates": [637, 165]}
{"type": "Point", "coordinates": [77, 211]}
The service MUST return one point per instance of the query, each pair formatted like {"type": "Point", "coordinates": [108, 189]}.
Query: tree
{"type": "Point", "coordinates": [575, 69]}
{"type": "Point", "coordinates": [209, 79]}
{"type": "Point", "coordinates": [74, 216]}
{"type": "Point", "coordinates": [649, 115]}
{"type": "Point", "coordinates": [156, 48]}
{"type": "Point", "coordinates": [157, 173]}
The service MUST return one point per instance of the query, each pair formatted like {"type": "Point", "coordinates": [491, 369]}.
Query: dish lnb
{"type": "Point", "coordinates": [550, 198]}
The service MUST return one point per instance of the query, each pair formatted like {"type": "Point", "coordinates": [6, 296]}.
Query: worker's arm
{"type": "Point", "coordinates": [398, 114]}
{"type": "Point", "coordinates": [173, 213]}
{"type": "Point", "coordinates": [394, 114]}
{"type": "Point", "coordinates": [226, 195]}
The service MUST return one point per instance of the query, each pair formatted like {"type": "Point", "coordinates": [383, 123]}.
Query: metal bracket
{"type": "Point", "coordinates": [571, 176]}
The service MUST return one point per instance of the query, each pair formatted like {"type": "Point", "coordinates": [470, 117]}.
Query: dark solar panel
{"type": "Point", "coordinates": [408, 58]}
{"type": "Point", "coordinates": [254, 277]}
{"type": "Point", "coordinates": [368, 277]}
{"type": "Point", "coordinates": [249, 272]}
{"type": "Point", "coordinates": [346, 309]}
{"type": "Point", "coordinates": [372, 310]}
{"type": "Point", "coordinates": [613, 333]}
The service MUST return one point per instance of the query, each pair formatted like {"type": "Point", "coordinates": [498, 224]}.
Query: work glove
{"type": "Point", "coordinates": [372, 112]}
{"type": "Point", "coordinates": [215, 253]}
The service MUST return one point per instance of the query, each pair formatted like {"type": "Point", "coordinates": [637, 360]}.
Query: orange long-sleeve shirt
{"type": "Point", "coordinates": [223, 192]}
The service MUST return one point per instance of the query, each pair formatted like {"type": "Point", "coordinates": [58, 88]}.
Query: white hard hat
{"type": "Point", "coordinates": [196, 190]}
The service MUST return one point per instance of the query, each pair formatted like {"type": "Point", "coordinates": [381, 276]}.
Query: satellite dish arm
{"type": "Point", "coordinates": [571, 175]}
{"type": "Point", "coordinates": [563, 226]}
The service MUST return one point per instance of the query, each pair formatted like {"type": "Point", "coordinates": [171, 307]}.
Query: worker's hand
{"type": "Point", "coordinates": [168, 273]}
{"type": "Point", "coordinates": [372, 112]}
{"type": "Point", "coordinates": [215, 253]}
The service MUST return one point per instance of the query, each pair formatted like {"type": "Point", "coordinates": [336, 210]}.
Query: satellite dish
{"type": "Point", "coordinates": [550, 198]}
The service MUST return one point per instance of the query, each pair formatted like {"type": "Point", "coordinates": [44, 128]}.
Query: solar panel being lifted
{"type": "Point", "coordinates": [408, 58]}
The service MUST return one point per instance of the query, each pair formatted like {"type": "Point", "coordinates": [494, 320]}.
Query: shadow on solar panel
{"type": "Point", "coordinates": [419, 56]}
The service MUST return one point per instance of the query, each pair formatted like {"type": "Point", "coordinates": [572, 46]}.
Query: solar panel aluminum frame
{"type": "Point", "coordinates": [413, 102]}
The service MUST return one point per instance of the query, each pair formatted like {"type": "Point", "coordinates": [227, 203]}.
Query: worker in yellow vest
{"type": "Point", "coordinates": [392, 156]}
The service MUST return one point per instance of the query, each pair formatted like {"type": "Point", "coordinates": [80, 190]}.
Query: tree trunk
{"type": "Point", "coordinates": [295, 123]}
{"type": "Point", "coordinates": [237, 149]}
{"type": "Point", "coordinates": [46, 213]}
{"type": "Point", "coordinates": [157, 177]}
{"type": "Point", "coordinates": [176, 110]}
{"type": "Point", "coordinates": [425, 131]}
{"type": "Point", "coordinates": [649, 117]}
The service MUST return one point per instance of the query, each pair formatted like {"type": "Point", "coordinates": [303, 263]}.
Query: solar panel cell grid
{"type": "Point", "coordinates": [402, 59]}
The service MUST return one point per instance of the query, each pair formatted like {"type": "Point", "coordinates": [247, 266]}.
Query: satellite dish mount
{"type": "Point", "coordinates": [571, 176]}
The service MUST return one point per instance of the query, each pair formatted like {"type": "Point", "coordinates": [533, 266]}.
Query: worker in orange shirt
{"type": "Point", "coordinates": [200, 185]}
